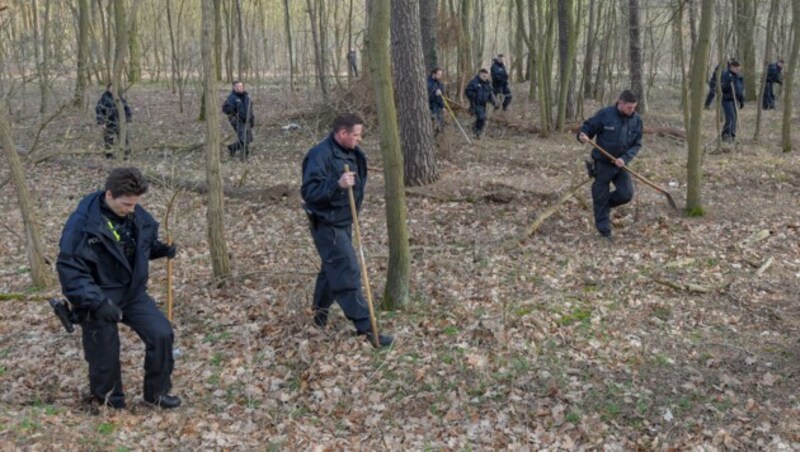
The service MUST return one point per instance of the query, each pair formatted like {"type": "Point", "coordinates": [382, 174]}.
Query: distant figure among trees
{"type": "Point", "coordinates": [732, 95]}
{"type": "Point", "coordinates": [773, 76]}
{"type": "Point", "coordinates": [352, 62]}
{"type": "Point", "coordinates": [239, 109]}
{"type": "Point", "coordinates": [108, 118]}
{"type": "Point", "coordinates": [479, 92]}
{"type": "Point", "coordinates": [500, 80]}
{"type": "Point", "coordinates": [436, 99]}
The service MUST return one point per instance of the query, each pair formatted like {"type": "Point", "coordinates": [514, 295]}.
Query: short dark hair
{"type": "Point", "coordinates": [236, 82]}
{"type": "Point", "coordinates": [499, 55]}
{"type": "Point", "coordinates": [781, 61]}
{"type": "Point", "coordinates": [435, 70]}
{"type": "Point", "coordinates": [483, 71]}
{"type": "Point", "coordinates": [346, 121]}
{"type": "Point", "coordinates": [628, 97]}
{"type": "Point", "coordinates": [126, 181]}
{"type": "Point", "coordinates": [734, 62]}
{"type": "Point", "coordinates": [109, 85]}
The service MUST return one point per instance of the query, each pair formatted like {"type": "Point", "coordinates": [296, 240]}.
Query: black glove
{"type": "Point", "coordinates": [741, 105]}
{"type": "Point", "coordinates": [108, 312]}
{"type": "Point", "coordinates": [172, 251]}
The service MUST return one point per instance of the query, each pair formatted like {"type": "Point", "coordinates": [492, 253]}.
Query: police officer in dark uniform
{"type": "Point", "coordinates": [326, 202]}
{"type": "Point", "coordinates": [108, 118]}
{"type": "Point", "coordinates": [479, 92]}
{"type": "Point", "coordinates": [103, 269]}
{"type": "Point", "coordinates": [500, 80]}
{"type": "Point", "coordinates": [732, 87]}
{"type": "Point", "coordinates": [436, 99]}
{"type": "Point", "coordinates": [618, 130]}
{"type": "Point", "coordinates": [773, 76]}
{"type": "Point", "coordinates": [239, 110]}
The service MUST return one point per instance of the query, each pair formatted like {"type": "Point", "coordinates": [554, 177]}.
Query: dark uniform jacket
{"type": "Point", "coordinates": [239, 109]}
{"type": "Point", "coordinates": [774, 74]}
{"type": "Point", "coordinates": [92, 266]}
{"type": "Point", "coordinates": [479, 92]}
{"type": "Point", "coordinates": [732, 83]}
{"type": "Point", "coordinates": [618, 134]}
{"type": "Point", "coordinates": [324, 164]}
{"type": "Point", "coordinates": [435, 102]}
{"type": "Point", "coordinates": [106, 111]}
{"type": "Point", "coordinates": [499, 74]}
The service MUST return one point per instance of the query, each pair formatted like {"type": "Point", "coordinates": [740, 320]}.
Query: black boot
{"type": "Point", "coordinates": [383, 339]}
{"type": "Point", "coordinates": [165, 401]}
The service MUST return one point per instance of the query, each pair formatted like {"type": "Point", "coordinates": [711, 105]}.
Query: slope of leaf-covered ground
{"type": "Point", "coordinates": [683, 333]}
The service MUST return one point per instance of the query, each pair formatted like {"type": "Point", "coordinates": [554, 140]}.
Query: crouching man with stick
{"type": "Point", "coordinates": [332, 171]}
{"type": "Point", "coordinates": [102, 265]}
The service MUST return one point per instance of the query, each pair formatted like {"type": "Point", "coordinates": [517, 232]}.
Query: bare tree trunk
{"type": "Point", "coordinates": [465, 64]}
{"type": "Point", "coordinates": [566, 52]}
{"type": "Point", "coordinates": [772, 20]}
{"type": "Point", "coordinates": [218, 39]}
{"type": "Point", "coordinates": [134, 64]}
{"type": "Point", "coordinates": [397, 279]}
{"type": "Point", "coordinates": [694, 186]}
{"type": "Point", "coordinates": [33, 238]}
{"type": "Point", "coordinates": [586, 84]}
{"type": "Point", "coordinates": [215, 213]}
{"type": "Point", "coordinates": [414, 114]}
{"type": "Point", "coordinates": [635, 55]}
{"type": "Point", "coordinates": [120, 53]}
{"type": "Point", "coordinates": [289, 44]}
{"type": "Point", "coordinates": [240, 36]}
{"type": "Point", "coordinates": [428, 25]}
{"type": "Point", "coordinates": [83, 53]}
{"type": "Point", "coordinates": [788, 79]}
{"type": "Point", "coordinates": [319, 58]}
{"type": "Point", "coordinates": [745, 30]}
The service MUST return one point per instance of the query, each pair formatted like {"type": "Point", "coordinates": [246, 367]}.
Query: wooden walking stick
{"type": "Point", "coordinates": [363, 264]}
{"type": "Point", "coordinates": [169, 259]}
{"type": "Point", "coordinates": [456, 120]}
{"type": "Point", "coordinates": [646, 181]}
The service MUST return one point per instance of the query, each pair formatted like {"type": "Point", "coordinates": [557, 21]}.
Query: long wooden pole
{"type": "Point", "coordinates": [169, 259]}
{"type": "Point", "coordinates": [363, 264]}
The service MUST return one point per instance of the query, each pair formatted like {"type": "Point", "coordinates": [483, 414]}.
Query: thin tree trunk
{"type": "Point", "coordinates": [566, 51]}
{"type": "Point", "coordinates": [745, 30]}
{"type": "Point", "coordinates": [396, 294]}
{"type": "Point", "coordinates": [120, 54]}
{"type": "Point", "coordinates": [414, 114]}
{"type": "Point", "coordinates": [635, 55]}
{"type": "Point", "coordinates": [240, 36]}
{"type": "Point", "coordinates": [772, 20]}
{"type": "Point", "coordinates": [40, 272]}
{"type": "Point", "coordinates": [218, 39]}
{"type": "Point", "coordinates": [134, 65]}
{"type": "Point", "coordinates": [289, 44]}
{"type": "Point", "coordinates": [694, 186]}
{"type": "Point", "coordinates": [788, 79]}
{"type": "Point", "coordinates": [428, 25]}
{"type": "Point", "coordinates": [586, 84]}
{"type": "Point", "coordinates": [83, 53]}
{"type": "Point", "coordinates": [215, 213]}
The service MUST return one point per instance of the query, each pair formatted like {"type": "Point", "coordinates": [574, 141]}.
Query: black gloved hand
{"type": "Point", "coordinates": [108, 312]}
{"type": "Point", "coordinates": [172, 251]}
{"type": "Point", "coordinates": [741, 105]}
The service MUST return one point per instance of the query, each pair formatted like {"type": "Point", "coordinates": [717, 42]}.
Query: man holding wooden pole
{"type": "Point", "coordinates": [331, 170]}
{"type": "Point", "coordinates": [618, 129]}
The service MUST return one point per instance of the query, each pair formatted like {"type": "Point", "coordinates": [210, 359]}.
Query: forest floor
{"type": "Point", "coordinates": [684, 332]}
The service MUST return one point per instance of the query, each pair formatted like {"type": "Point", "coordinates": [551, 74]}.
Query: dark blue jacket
{"type": "Point", "coordinates": [106, 111]}
{"type": "Point", "coordinates": [435, 102]}
{"type": "Point", "coordinates": [479, 92]}
{"type": "Point", "coordinates": [322, 168]}
{"type": "Point", "coordinates": [618, 134]}
{"type": "Point", "coordinates": [774, 74]}
{"type": "Point", "coordinates": [731, 82]}
{"type": "Point", "coordinates": [499, 74]}
{"type": "Point", "coordinates": [239, 109]}
{"type": "Point", "coordinates": [91, 265]}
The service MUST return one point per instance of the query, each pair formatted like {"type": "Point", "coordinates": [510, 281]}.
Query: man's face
{"type": "Point", "coordinates": [735, 69]}
{"type": "Point", "coordinates": [780, 65]}
{"type": "Point", "coordinates": [349, 139]}
{"type": "Point", "coordinates": [123, 205]}
{"type": "Point", "coordinates": [437, 75]}
{"type": "Point", "coordinates": [110, 89]}
{"type": "Point", "coordinates": [483, 75]}
{"type": "Point", "coordinates": [239, 87]}
{"type": "Point", "coordinates": [626, 108]}
{"type": "Point", "coordinates": [501, 60]}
